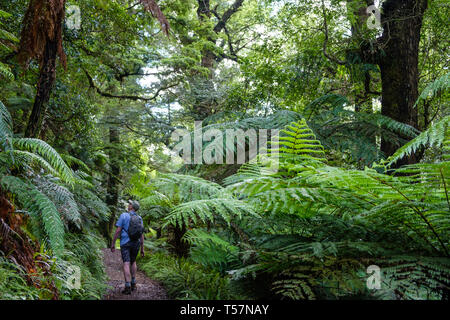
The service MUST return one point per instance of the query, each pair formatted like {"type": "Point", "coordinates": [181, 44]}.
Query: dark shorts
{"type": "Point", "coordinates": [130, 251]}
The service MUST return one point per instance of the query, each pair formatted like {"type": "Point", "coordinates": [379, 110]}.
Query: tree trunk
{"type": "Point", "coordinates": [402, 22]}
{"type": "Point", "coordinates": [112, 197]}
{"type": "Point", "coordinates": [203, 104]}
{"type": "Point", "coordinates": [175, 239]}
{"type": "Point", "coordinates": [47, 77]}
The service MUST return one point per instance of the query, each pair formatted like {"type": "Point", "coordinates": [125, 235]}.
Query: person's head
{"type": "Point", "coordinates": [133, 205]}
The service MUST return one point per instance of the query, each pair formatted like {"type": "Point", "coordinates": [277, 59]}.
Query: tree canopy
{"type": "Point", "coordinates": [340, 159]}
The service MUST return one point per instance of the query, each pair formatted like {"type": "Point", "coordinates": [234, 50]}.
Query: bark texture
{"type": "Point", "coordinates": [399, 63]}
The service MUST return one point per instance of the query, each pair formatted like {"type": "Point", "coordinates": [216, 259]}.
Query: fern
{"type": "Point", "coordinates": [49, 154]}
{"type": "Point", "coordinates": [186, 187]}
{"type": "Point", "coordinates": [61, 197]}
{"type": "Point", "coordinates": [7, 40]}
{"type": "Point", "coordinates": [208, 210]}
{"type": "Point", "coordinates": [90, 204]}
{"type": "Point", "coordinates": [211, 250]}
{"type": "Point", "coordinates": [5, 128]}
{"type": "Point", "coordinates": [40, 207]}
{"type": "Point", "coordinates": [340, 128]}
{"type": "Point", "coordinates": [433, 137]}
{"type": "Point", "coordinates": [440, 84]}
{"type": "Point", "coordinates": [374, 217]}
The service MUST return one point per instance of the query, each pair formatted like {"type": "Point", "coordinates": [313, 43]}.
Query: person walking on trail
{"type": "Point", "coordinates": [130, 229]}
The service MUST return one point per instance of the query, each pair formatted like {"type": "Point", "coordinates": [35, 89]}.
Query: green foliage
{"type": "Point", "coordinates": [5, 128]}
{"type": "Point", "coordinates": [208, 210]}
{"type": "Point", "coordinates": [41, 209]}
{"type": "Point", "coordinates": [184, 279]}
{"type": "Point", "coordinates": [439, 85]}
{"type": "Point", "coordinates": [7, 40]}
{"type": "Point", "coordinates": [61, 197]}
{"type": "Point", "coordinates": [84, 251]}
{"type": "Point", "coordinates": [13, 285]}
{"type": "Point", "coordinates": [212, 251]}
{"type": "Point", "coordinates": [341, 128]}
{"type": "Point", "coordinates": [435, 136]}
{"type": "Point", "coordinates": [42, 150]}
{"type": "Point", "coordinates": [298, 143]}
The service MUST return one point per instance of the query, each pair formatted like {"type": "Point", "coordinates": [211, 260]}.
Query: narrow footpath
{"type": "Point", "coordinates": [146, 288]}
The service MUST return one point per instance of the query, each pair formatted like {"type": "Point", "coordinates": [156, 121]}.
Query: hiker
{"type": "Point", "coordinates": [130, 228]}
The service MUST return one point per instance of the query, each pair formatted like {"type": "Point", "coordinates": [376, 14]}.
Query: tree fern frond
{"type": "Point", "coordinates": [186, 186]}
{"type": "Point", "coordinates": [208, 210]}
{"type": "Point", "coordinates": [6, 126]}
{"type": "Point", "coordinates": [440, 84]}
{"type": "Point", "coordinates": [70, 160]}
{"type": "Point", "coordinates": [49, 154]}
{"type": "Point", "coordinates": [38, 204]}
{"type": "Point", "coordinates": [433, 137]}
{"type": "Point", "coordinates": [299, 141]}
{"type": "Point", "coordinates": [61, 197]}
{"type": "Point", "coordinates": [90, 204]}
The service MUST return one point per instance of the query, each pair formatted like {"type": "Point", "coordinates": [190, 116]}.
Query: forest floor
{"type": "Point", "coordinates": [146, 288]}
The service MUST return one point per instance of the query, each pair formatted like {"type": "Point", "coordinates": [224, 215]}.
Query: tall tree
{"type": "Point", "coordinates": [399, 63]}
{"type": "Point", "coordinates": [41, 39]}
{"type": "Point", "coordinates": [204, 105]}
{"type": "Point", "coordinates": [396, 52]}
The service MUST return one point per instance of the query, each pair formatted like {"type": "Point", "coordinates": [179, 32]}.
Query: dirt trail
{"type": "Point", "coordinates": [146, 289]}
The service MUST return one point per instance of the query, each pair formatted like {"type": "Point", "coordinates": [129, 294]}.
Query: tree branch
{"type": "Point", "coordinates": [129, 97]}
{"type": "Point", "coordinates": [227, 15]}
{"type": "Point", "coordinates": [325, 42]}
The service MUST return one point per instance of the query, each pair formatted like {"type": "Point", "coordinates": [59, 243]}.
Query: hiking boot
{"type": "Point", "coordinates": [133, 286]}
{"type": "Point", "coordinates": [127, 290]}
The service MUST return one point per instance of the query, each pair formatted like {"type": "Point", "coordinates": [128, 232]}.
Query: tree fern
{"type": "Point", "coordinates": [5, 128]}
{"type": "Point", "coordinates": [211, 250]}
{"type": "Point", "coordinates": [208, 210]}
{"type": "Point", "coordinates": [433, 137]}
{"type": "Point", "coordinates": [62, 198]}
{"type": "Point", "coordinates": [187, 187]}
{"type": "Point", "coordinates": [45, 151]}
{"type": "Point", "coordinates": [40, 207]}
{"type": "Point", "coordinates": [440, 84]}
{"type": "Point", "coordinates": [298, 140]}
{"type": "Point", "coordinates": [342, 129]}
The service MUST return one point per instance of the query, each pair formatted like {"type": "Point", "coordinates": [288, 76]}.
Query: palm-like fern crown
{"type": "Point", "coordinates": [53, 200]}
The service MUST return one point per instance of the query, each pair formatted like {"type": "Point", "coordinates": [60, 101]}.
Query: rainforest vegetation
{"type": "Point", "coordinates": [356, 93]}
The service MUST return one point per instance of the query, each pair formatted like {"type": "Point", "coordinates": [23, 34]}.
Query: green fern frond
{"type": "Point", "coordinates": [39, 206]}
{"type": "Point", "coordinates": [90, 204]}
{"type": "Point", "coordinates": [6, 126]}
{"type": "Point", "coordinates": [49, 154]}
{"type": "Point", "coordinates": [70, 160]}
{"type": "Point", "coordinates": [299, 141]}
{"type": "Point", "coordinates": [211, 250]}
{"type": "Point", "coordinates": [433, 137]}
{"type": "Point", "coordinates": [156, 199]}
{"type": "Point", "coordinates": [208, 210]}
{"type": "Point", "coordinates": [440, 84]}
{"type": "Point", "coordinates": [61, 197]}
{"type": "Point", "coordinates": [186, 186]}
